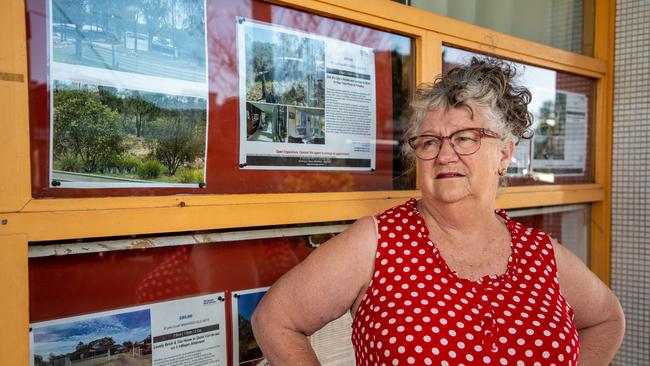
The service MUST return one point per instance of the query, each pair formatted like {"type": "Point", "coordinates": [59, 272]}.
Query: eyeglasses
{"type": "Point", "coordinates": [464, 142]}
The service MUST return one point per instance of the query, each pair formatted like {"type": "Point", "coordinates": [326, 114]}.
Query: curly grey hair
{"type": "Point", "coordinates": [484, 83]}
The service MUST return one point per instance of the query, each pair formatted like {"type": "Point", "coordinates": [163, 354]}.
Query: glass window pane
{"type": "Point", "coordinates": [146, 269]}
{"type": "Point", "coordinates": [565, 24]}
{"type": "Point", "coordinates": [84, 287]}
{"type": "Point", "coordinates": [241, 97]}
{"type": "Point", "coordinates": [561, 151]}
{"type": "Point", "coordinates": [569, 225]}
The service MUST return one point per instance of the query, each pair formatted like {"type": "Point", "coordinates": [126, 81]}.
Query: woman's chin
{"type": "Point", "coordinates": [451, 196]}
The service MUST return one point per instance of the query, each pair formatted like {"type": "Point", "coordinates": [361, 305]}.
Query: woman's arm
{"type": "Point", "coordinates": [598, 314]}
{"type": "Point", "coordinates": [318, 290]}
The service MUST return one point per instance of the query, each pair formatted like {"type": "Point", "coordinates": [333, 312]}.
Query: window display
{"type": "Point", "coordinates": [168, 333]}
{"type": "Point", "coordinates": [568, 224]}
{"type": "Point", "coordinates": [129, 94]}
{"type": "Point", "coordinates": [212, 97]}
{"type": "Point", "coordinates": [310, 101]}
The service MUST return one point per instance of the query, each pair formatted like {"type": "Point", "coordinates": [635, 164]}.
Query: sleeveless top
{"type": "Point", "coordinates": [417, 311]}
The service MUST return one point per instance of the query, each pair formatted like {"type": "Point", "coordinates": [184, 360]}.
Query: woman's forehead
{"type": "Point", "coordinates": [453, 118]}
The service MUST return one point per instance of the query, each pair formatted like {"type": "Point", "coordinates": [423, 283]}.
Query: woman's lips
{"type": "Point", "coordinates": [449, 175]}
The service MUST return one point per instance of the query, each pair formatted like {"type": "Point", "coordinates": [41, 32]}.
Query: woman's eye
{"type": "Point", "coordinates": [430, 142]}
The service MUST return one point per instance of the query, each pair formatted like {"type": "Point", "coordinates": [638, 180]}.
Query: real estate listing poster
{"type": "Point", "coordinates": [128, 93]}
{"type": "Point", "coordinates": [560, 144]}
{"type": "Point", "coordinates": [172, 333]}
{"type": "Point", "coordinates": [307, 102]}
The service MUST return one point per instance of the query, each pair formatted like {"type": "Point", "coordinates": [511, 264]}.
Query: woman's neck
{"type": "Point", "coordinates": [459, 218]}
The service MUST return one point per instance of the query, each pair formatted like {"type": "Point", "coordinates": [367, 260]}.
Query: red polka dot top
{"type": "Point", "coordinates": [417, 311]}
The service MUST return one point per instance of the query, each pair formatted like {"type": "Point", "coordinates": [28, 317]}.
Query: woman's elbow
{"type": "Point", "coordinates": [619, 317]}
{"type": "Point", "coordinates": [259, 322]}
{"type": "Point", "coordinates": [265, 321]}
{"type": "Point", "coordinates": [612, 327]}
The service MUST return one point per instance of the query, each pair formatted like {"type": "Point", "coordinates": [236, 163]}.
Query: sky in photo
{"type": "Point", "coordinates": [63, 337]}
{"type": "Point", "coordinates": [247, 303]}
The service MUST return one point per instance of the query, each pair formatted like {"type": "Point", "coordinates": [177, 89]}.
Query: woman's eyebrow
{"type": "Point", "coordinates": [429, 132]}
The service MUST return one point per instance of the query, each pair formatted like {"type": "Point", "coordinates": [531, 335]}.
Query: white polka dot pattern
{"type": "Point", "coordinates": [417, 311]}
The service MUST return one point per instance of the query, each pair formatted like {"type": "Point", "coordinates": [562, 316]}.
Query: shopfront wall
{"type": "Point", "coordinates": [189, 155]}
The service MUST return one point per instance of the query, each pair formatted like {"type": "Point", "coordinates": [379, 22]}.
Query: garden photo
{"type": "Point", "coordinates": [119, 339]}
{"type": "Point", "coordinates": [108, 135]}
{"type": "Point", "coordinates": [163, 38]}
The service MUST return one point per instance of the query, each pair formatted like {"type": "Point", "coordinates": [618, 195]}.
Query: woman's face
{"type": "Point", "coordinates": [451, 177]}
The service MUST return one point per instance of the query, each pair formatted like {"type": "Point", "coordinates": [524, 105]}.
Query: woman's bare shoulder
{"type": "Point", "coordinates": [362, 233]}
{"type": "Point", "coordinates": [351, 253]}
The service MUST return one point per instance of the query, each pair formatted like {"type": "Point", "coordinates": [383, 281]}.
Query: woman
{"type": "Point", "coordinates": [447, 280]}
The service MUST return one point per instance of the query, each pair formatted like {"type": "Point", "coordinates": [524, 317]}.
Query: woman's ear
{"type": "Point", "coordinates": [507, 150]}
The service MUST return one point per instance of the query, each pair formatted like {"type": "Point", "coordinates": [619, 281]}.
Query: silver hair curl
{"type": "Point", "coordinates": [484, 83]}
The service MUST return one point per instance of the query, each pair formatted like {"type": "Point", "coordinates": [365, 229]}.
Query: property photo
{"type": "Point", "coordinates": [119, 339]}
{"type": "Point", "coordinates": [117, 135]}
{"type": "Point", "coordinates": [284, 68]}
{"type": "Point", "coordinates": [266, 122]}
{"type": "Point", "coordinates": [157, 38]}
{"type": "Point", "coordinates": [306, 125]}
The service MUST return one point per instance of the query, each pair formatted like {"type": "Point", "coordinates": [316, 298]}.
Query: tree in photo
{"type": "Point", "coordinates": [190, 14]}
{"type": "Point", "coordinates": [249, 350]}
{"type": "Point", "coordinates": [260, 66]}
{"type": "Point", "coordinates": [38, 361]}
{"type": "Point", "coordinates": [136, 109]}
{"type": "Point", "coordinates": [74, 13]}
{"type": "Point", "coordinates": [155, 12]}
{"type": "Point", "coordinates": [179, 137]}
{"type": "Point", "coordinates": [86, 129]}
{"type": "Point", "coordinates": [151, 37]}
{"type": "Point", "coordinates": [106, 19]}
{"type": "Point", "coordinates": [142, 111]}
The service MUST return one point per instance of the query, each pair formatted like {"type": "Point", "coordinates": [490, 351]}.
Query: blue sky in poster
{"type": "Point", "coordinates": [247, 303]}
{"type": "Point", "coordinates": [63, 338]}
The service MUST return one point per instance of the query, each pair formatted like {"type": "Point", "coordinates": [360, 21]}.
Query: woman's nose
{"type": "Point", "coordinates": [447, 152]}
